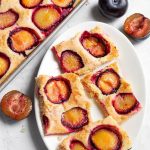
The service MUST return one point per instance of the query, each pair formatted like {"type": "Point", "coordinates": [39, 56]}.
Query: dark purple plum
{"type": "Point", "coordinates": [113, 8]}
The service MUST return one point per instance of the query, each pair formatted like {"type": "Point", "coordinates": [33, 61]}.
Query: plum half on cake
{"type": "Point", "coordinates": [85, 51]}
{"type": "Point", "coordinates": [112, 92]}
{"type": "Point", "coordinates": [24, 24]}
{"type": "Point", "coordinates": [100, 135]}
{"type": "Point", "coordinates": [63, 105]}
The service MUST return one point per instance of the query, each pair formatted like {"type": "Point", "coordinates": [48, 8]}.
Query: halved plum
{"type": "Point", "coordinates": [22, 39]}
{"type": "Point", "coordinates": [16, 105]}
{"type": "Point", "coordinates": [71, 61]}
{"type": "Point", "coordinates": [124, 103]}
{"type": "Point", "coordinates": [4, 64]}
{"type": "Point", "coordinates": [106, 137]}
{"type": "Point", "coordinates": [58, 90]}
{"type": "Point", "coordinates": [137, 26]}
{"type": "Point", "coordinates": [77, 145]}
{"type": "Point", "coordinates": [63, 3]}
{"type": "Point", "coordinates": [75, 118]}
{"type": "Point", "coordinates": [8, 18]}
{"type": "Point", "coordinates": [96, 44]}
{"type": "Point", "coordinates": [108, 81]}
{"type": "Point", "coordinates": [30, 3]}
{"type": "Point", "coordinates": [46, 17]}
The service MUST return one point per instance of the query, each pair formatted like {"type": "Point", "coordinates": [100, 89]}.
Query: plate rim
{"type": "Point", "coordinates": [139, 62]}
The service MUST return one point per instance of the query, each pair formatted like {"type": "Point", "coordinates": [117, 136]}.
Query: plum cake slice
{"type": "Point", "coordinates": [112, 92]}
{"type": "Point", "coordinates": [105, 134]}
{"type": "Point", "coordinates": [63, 104]}
{"type": "Point", "coordinates": [85, 51]}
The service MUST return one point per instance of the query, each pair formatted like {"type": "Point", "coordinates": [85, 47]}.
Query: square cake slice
{"type": "Point", "coordinates": [63, 105]}
{"type": "Point", "coordinates": [112, 92]}
{"type": "Point", "coordinates": [85, 51]}
{"type": "Point", "coordinates": [103, 135]}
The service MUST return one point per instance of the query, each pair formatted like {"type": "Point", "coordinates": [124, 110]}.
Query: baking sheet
{"type": "Point", "coordinates": [37, 50]}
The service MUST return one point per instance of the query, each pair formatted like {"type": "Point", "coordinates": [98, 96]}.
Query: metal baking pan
{"type": "Point", "coordinates": [37, 50]}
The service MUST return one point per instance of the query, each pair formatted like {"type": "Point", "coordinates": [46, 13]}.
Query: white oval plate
{"type": "Point", "coordinates": [130, 67]}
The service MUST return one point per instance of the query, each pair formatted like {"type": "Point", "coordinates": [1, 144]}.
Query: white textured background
{"type": "Point", "coordinates": [24, 135]}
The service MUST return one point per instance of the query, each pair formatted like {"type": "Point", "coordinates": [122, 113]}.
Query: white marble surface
{"type": "Point", "coordinates": [24, 135]}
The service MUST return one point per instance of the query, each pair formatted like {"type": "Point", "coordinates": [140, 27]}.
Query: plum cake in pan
{"type": "Point", "coordinates": [101, 135]}
{"type": "Point", "coordinates": [85, 51]}
{"type": "Point", "coordinates": [63, 105]}
{"type": "Point", "coordinates": [24, 24]}
{"type": "Point", "coordinates": [112, 92]}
